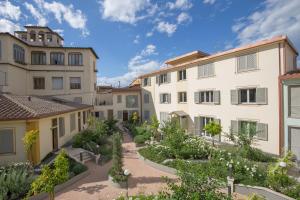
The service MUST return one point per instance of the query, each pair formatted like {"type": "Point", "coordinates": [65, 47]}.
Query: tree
{"type": "Point", "coordinates": [213, 129]}
{"type": "Point", "coordinates": [49, 178]}
{"type": "Point", "coordinates": [29, 140]}
{"type": "Point", "coordinates": [154, 125]}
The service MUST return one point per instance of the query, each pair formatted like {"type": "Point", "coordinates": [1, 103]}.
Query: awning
{"type": "Point", "coordinates": [179, 113]}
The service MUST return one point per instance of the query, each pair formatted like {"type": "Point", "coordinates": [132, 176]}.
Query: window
{"type": "Point", "coordinates": [146, 98]}
{"type": "Point", "coordinates": [163, 78]}
{"type": "Point", "coordinates": [72, 122]}
{"type": "Point", "coordinates": [61, 127]}
{"type": "Point", "coordinates": [294, 141]}
{"type": "Point", "coordinates": [77, 99]}
{"type": "Point", "coordinates": [49, 37]}
{"type": "Point", "coordinates": [206, 70]}
{"type": "Point", "coordinates": [7, 141]}
{"type": "Point", "coordinates": [75, 83]}
{"type": "Point", "coordinates": [165, 98]}
{"type": "Point", "coordinates": [259, 130]}
{"type": "Point", "coordinates": [120, 114]}
{"type": "Point", "coordinates": [164, 116]}
{"type": "Point", "coordinates": [249, 96]}
{"type": "Point", "coordinates": [57, 58]}
{"type": "Point", "coordinates": [131, 101]}
{"type": "Point", "coordinates": [294, 101]}
{"type": "Point", "coordinates": [146, 115]}
{"type": "Point", "coordinates": [201, 122]}
{"type": "Point", "coordinates": [182, 75]}
{"type": "Point", "coordinates": [204, 121]}
{"type": "Point", "coordinates": [32, 36]}
{"type": "Point", "coordinates": [147, 81]}
{"type": "Point", "coordinates": [84, 117]}
{"type": "Point", "coordinates": [101, 115]}
{"type": "Point", "coordinates": [75, 59]}
{"type": "Point", "coordinates": [119, 99]}
{"type": "Point", "coordinates": [41, 36]}
{"type": "Point", "coordinates": [3, 78]}
{"type": "Point", "coordinates": [38, 83]}
{"type": "Point", "coordinates": [182, 97]}
{"type": "Point", "coordinates": [19, 54]}
{"type": "Point", "coordinates": [57, 83]}
{"type": "Point", "coordinates": [247, 62]}
{"type": "Point", "coordinates": [38, 58]}
{"type": "Point", "coordinates": [210, 96]}
{"type": "Point", "coordinates": [0, 50]}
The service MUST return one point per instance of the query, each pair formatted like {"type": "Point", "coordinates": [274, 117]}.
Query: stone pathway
{"type": "Point", "coordinates": [95, 186]}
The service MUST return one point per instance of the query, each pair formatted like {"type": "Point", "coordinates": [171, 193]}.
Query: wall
{"type": "Point", "coordinates": [20, 155]}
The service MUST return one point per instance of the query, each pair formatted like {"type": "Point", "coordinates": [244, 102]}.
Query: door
{"type": "Point", "coordinates": [79, 121]}
{"type": "Point", "coordinates": [54, 135]}
{"type": "Point", "coordinates": [125, 115]}
{"type": "Point", "coordinates": [294, 141]}
{"type": "Point", "coordinates": [110, 114]}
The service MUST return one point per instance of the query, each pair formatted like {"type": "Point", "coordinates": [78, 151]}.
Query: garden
{"type": "Point", "coordinates": [197, 159]}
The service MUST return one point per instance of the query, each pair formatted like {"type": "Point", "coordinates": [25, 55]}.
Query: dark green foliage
{"type": "Point", "coordinates": [76, 168]}
{"type": "Point", "coordinates": [15, 180]}
{"type": "Point", "coordinates": [155, 153]}
{"type": "Point", "coordinates": [116, 172]}
{"type": "Point", "coordinates": [111, 126]}
{"type": "Point", "coordinates": [255, 154]}
{"type": "Point", "coordinates": [140, 139]}
{"type": "Point", "coordinates": [140, 133]}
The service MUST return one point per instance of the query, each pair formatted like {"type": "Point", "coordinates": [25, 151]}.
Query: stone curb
{"type": "Point", "coordinates": [62, 186]}
{"type": "Point", "coordinates": [158, 166]}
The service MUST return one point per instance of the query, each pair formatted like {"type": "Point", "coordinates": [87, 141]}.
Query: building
{"type": "Point", "coordinates": [118, 103]}
{"type": "Point", "coordinates": [56, 120]}
{"type": "Point", "coordinates": [237, 88]}
{"type": "Point", "coordinates": [290, 124]}
{"type": "Point", "coordinates": [45, 86]}
{"type": "Point", "coordinates": [35, 62]}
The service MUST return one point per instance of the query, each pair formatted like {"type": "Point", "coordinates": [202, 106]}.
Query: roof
{"type": "Point", "coordinates": [273, 40]}
{"type": "Point", "coordinates": [17, 107]}
{"type": "Point", "coordinates": [179, 113]}
{"type": "Point", "coordinates": [187, 56]}
{"type": "Point", "coordinates": [53, 47]}
{"type": "Point", "coordinates": [295, 74]}
{"type": "Point", "coordinates": [135, 88]}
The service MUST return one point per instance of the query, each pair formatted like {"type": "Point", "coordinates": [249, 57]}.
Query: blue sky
{"type": "Point", "coordinates": [136, 36]}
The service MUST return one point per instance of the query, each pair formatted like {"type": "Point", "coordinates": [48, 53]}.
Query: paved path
{"type": "Point", "coordinates": [144, 179]}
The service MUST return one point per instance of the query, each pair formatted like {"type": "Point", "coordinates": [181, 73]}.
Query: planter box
{"type": "Point", "coordinates": [62, 186]}
{"type": "Point", "coordinates": [117, 185]}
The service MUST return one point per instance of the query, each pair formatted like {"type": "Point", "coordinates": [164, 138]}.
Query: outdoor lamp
{"type": "Point", "coordinates": [282, 164]}
{"type": "Point", "coordinates": [126, 172]}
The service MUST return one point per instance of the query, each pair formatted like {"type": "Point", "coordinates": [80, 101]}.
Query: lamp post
{"type": "Point", "coordinates": [230, 179]}
{"type": "Point", "coordinates": [127, 174]}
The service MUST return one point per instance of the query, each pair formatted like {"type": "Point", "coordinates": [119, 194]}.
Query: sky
{"type": "Point", "coordinates": [133, 37]}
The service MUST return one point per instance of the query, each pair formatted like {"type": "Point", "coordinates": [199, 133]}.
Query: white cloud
{"type": "Point", "coordinates": [127, 11]}
{"type": "Point", "coordinates": [59, 31]}
{"type": "Point", "coordinates": [136, 39]}
{"type": "Point", "coordinates": [8, 26]}
{"type": "Point", "coordinates": [149, 34]}
{"type": "Point", "coordinates": [275, 18]}
{"type": "Point", "coordinates": [9, 10]}
{"type": "Point", "coordinates": [74, 17]}
{"type": "Point", "coordinates": [183, 17]}
{"type": "Point", "coordinates": [180, 4]}
{"type": "Point", "coordinates": [42, 21]}
{"type": "Point", "coordinates": [138, 65]}
{"type": "Point", "coordinates": [209, 1]}
{"type": "Point", "coordinates": [166, 27]}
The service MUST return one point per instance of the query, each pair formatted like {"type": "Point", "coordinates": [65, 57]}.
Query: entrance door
{"type": "Point", "coordinates": [79, 121]}
{"type": "Point", "coordinates": [294, 141]}
{"type": "Point", "coordinates": [110, 114]}
{"type": "Point", "coordinates": [54, 135]}
{"type": "Point", "coordinates": [125, 115]}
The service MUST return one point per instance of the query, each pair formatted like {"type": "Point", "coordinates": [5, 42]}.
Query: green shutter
{"type": "Point", "coordinates": [234, 127]}
{"type": "Point", "coordinates": [197, 97]}
{"type": "Point", "coordinates": [262, 131]}
{"type": "Point", "coordinates": [169, 98]}
{"type": "Point", "coordinates": [169, 77]}
{"type": "Point", "coordinates": [197, 125]}
{"type": "Point", "coordinates": [216, 97]}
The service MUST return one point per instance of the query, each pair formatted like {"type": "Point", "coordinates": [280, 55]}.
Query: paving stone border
{"type": "Point", "coordinates": [62, 186]}
{"type": "Point", "coordinates": [239, 188]}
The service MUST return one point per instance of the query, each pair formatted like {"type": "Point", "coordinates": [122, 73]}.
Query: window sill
{"type": "Point", "coordinates": [248, 70]}
{"type": "Point", "coordinates": [204, 77]}
{"type": "Point", "coordinates": [8, 154]}
{"type": "Point", "coordinates": [182, 102]}
{"type": "Point", "coordinates": [184, 80]}
{"type": "Point", "coordinates": [207, 103]}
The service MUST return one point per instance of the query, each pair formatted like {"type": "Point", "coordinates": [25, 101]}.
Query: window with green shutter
{"type": "Point", "coordinates": [207, 70]}
{"type": "Point", "coordinates": [294, 101]}
{"type": "Point", "coordinates": [7, 141]}
{"type": "Point", "coordinates": [247, 62]}
{"type": "Point", "coordinates": [61, 128]}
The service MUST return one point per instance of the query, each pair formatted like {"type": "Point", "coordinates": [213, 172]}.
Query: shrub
{"type": "Point", "coordinates": [116, 172]}
{"type": "Point", "coordinates": [111, 126]}
{"type": "Point", "coordinates": [213, 129]}
{"type": "Point", "coordinates": [195, 148]}
{"type": "Point", "coordinates": [156, 153]}
{"type": "Point", "coordinates": [256, 197]}
{"type": "Point", "coordinates": [255, 154]}
{"type": "Point", "coordinates": [78, 168]}
{"type": "Point", "coordinates": [140, 139]}
{"type": "Point", "coordinates": [15, 180]}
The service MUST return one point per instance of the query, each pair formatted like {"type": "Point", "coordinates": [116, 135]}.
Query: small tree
{"type": "Point", "coordinates": [154, 125]}
{"type": "Point", "coordinates": [134, 119]}
{"type": "Point", "coordinates": [213, 129]}
{"type": "Point", "coordinates": [29, 140]}
{"type": "Point", "coordinates": [49, 178]}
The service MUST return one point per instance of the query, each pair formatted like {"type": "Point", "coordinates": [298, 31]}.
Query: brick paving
{"type": "Point", "coordinates": [95, 186]}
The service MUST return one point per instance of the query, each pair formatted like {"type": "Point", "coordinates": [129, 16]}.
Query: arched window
{"type": "Point", "coordinates": [41, 36]}
{"type": "Point", "coordinates": [32, 36]}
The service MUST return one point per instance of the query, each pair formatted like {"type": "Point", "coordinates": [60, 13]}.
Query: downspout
{"type": "Point", "coordinates": [141, 107]}
{"type": "Point", "coordinates": [280, 101]}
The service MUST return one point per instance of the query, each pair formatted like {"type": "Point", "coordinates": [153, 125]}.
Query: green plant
{"type": "Point", "coordinates": [29, 140]}
{"type": "Point", "coordinates": [156, 153]}
{"type": "Point", "coordinates": [78, 168]}
{"type": "Point", "coordinates": [49, 178]}
{"type": "Point", "coordinates": [116, 171]}
{"type": "Point", "coordinates": [15, 180]}
{"type": "Point", "coordinates": [154, 125]}
{"type": "Point", "coordinates": [134, 118]}
{"type": "Point", "coordinates": [111, 125]}
{"type": "Point", "coordinates": [256, 197]}
{"type": "Point", "coordinates": [140, 139]}
{"type": "Point", "coordinates": [174, 136]}
{"type": "Point", "coordinates": [213, 129]}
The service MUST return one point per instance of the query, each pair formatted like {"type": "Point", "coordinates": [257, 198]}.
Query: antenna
{"type": "Point", "coordinates": [119, 84]}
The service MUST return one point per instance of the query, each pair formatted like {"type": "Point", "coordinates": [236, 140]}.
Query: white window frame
{"type": "Point", "coordinates": [247, 67]}
{"type": "Point", "coordinates": [182, 97]}
{"type": "Point", "coordinates": [75, 85]}
{"type": "Point", "coordinates": [165, 98]}
{"type": "Point", "coordinates": [54, 86]}
{"type": "Point", "coordinates": [248, 95]}
{"type": "Point", "coordinates": [182, 75]}
{"type": "Point", "coordinates": [205, 93]}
